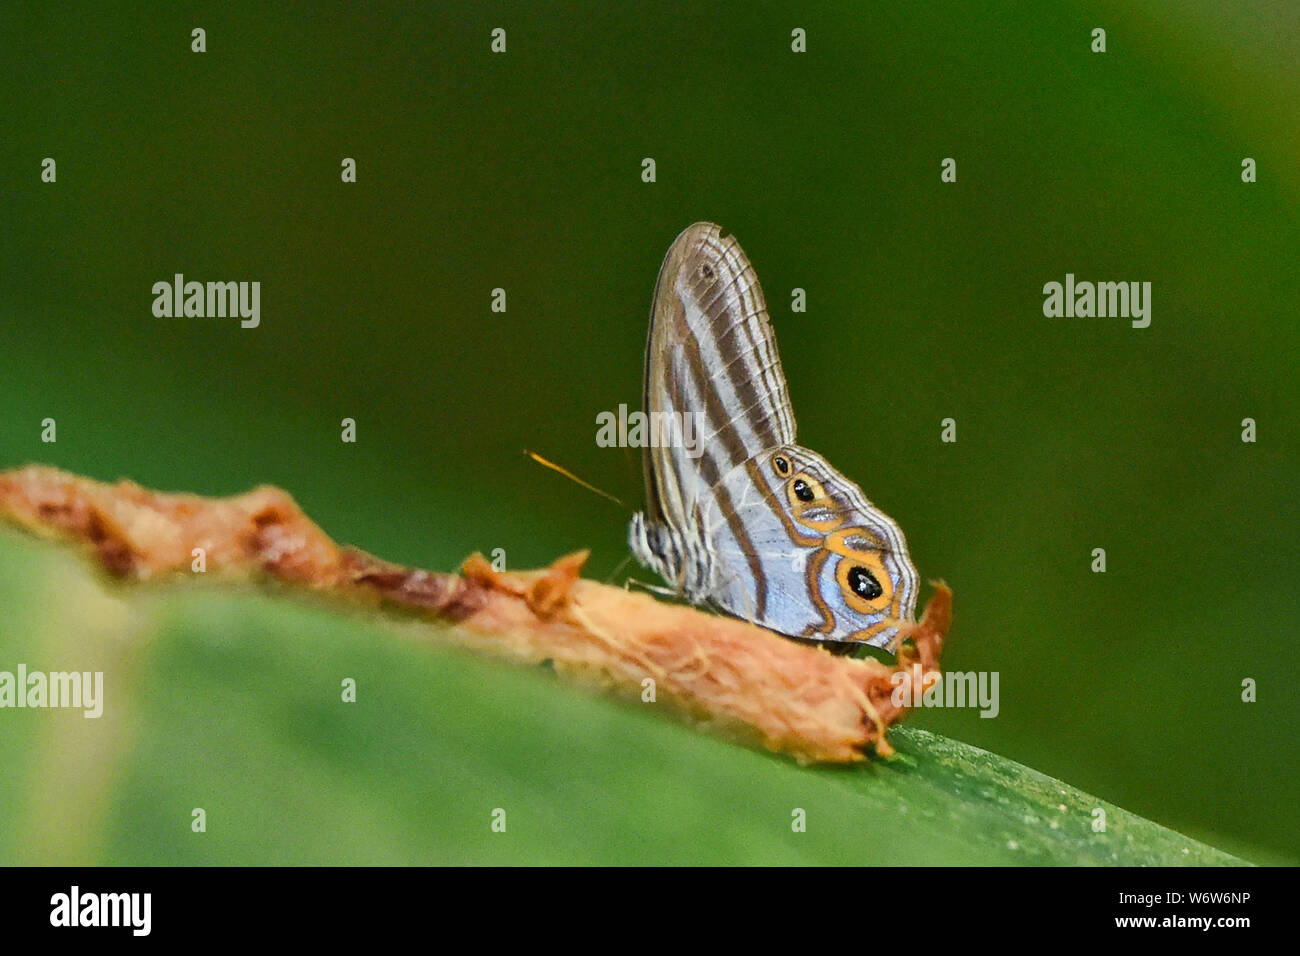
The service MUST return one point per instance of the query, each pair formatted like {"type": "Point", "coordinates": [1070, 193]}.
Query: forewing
{"type": "Point", "coordinates": [710, 355]}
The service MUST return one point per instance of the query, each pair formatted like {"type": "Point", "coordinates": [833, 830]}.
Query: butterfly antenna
{"type": "Point", "coordinates": [572, 477]}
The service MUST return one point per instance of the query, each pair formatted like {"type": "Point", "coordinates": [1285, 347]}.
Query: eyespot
{"type": "Point", "coordinates": [706, 270]}
{"type": "Point", "coordinates": [782, 465]}
{"type": "Point", "coordinates": [810, 505]}
{"type": "Point", "coordinates": [864, 583]}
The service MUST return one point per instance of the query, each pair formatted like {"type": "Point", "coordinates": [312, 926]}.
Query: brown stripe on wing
{"type": "Point", "coordinates": [752, 322]}
{"type": "Point", "coordinates": [746, 546]}
{"type": "Point", "coordinates": [731, 314]}
{"type": "Point", "coordinates": [711, 472]}
{"type": "Point", "coordinates": [673, 348]}
{"type": "Point", "coordinates": [669, 467]}
{"type": "Point", "coordinates": [813, 570]}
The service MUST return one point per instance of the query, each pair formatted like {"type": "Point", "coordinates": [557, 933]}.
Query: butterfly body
{"type": "Point", "coordinates": [748, 521]}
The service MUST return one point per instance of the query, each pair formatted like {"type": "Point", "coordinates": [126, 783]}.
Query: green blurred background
{"type": "Point", "coordinates": [522, 171]}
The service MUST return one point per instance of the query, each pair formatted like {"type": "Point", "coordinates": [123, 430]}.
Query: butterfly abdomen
{"type": "Point", "coordinates": [683, 562]}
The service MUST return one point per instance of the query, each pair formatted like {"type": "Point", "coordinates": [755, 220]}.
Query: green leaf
{"type": "Point", "coordinates": [229, 700]}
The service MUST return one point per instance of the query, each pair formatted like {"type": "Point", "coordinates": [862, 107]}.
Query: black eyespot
{"type": "Point", "coordinates": [802, 491]}
{"type": "Point", "coordinates": [864, 583]}
{"type": "Point", "coordinates": [706, 270]}
{"type": "Point", "coordinates": [782, 465]}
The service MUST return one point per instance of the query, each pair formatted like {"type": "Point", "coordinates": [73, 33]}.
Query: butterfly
{"type": "Point", "coordinates": [745, 520]}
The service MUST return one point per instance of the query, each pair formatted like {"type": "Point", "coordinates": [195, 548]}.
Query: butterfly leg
{"type": "Point", "coordinates": [652, 588]}
{"type": "Point", "coordinates": [619, 567]}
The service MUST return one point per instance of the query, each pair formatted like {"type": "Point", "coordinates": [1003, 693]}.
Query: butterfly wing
{"type": "Point", "coordinates": [710, 355]}
{"type": "Point", "coordinates": [722, 521]}
{"type": "Point", "coordinates": [831, 566]}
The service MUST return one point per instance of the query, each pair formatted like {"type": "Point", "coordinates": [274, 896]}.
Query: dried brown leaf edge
{"type": "Point", "coordinates": [737, 678]}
